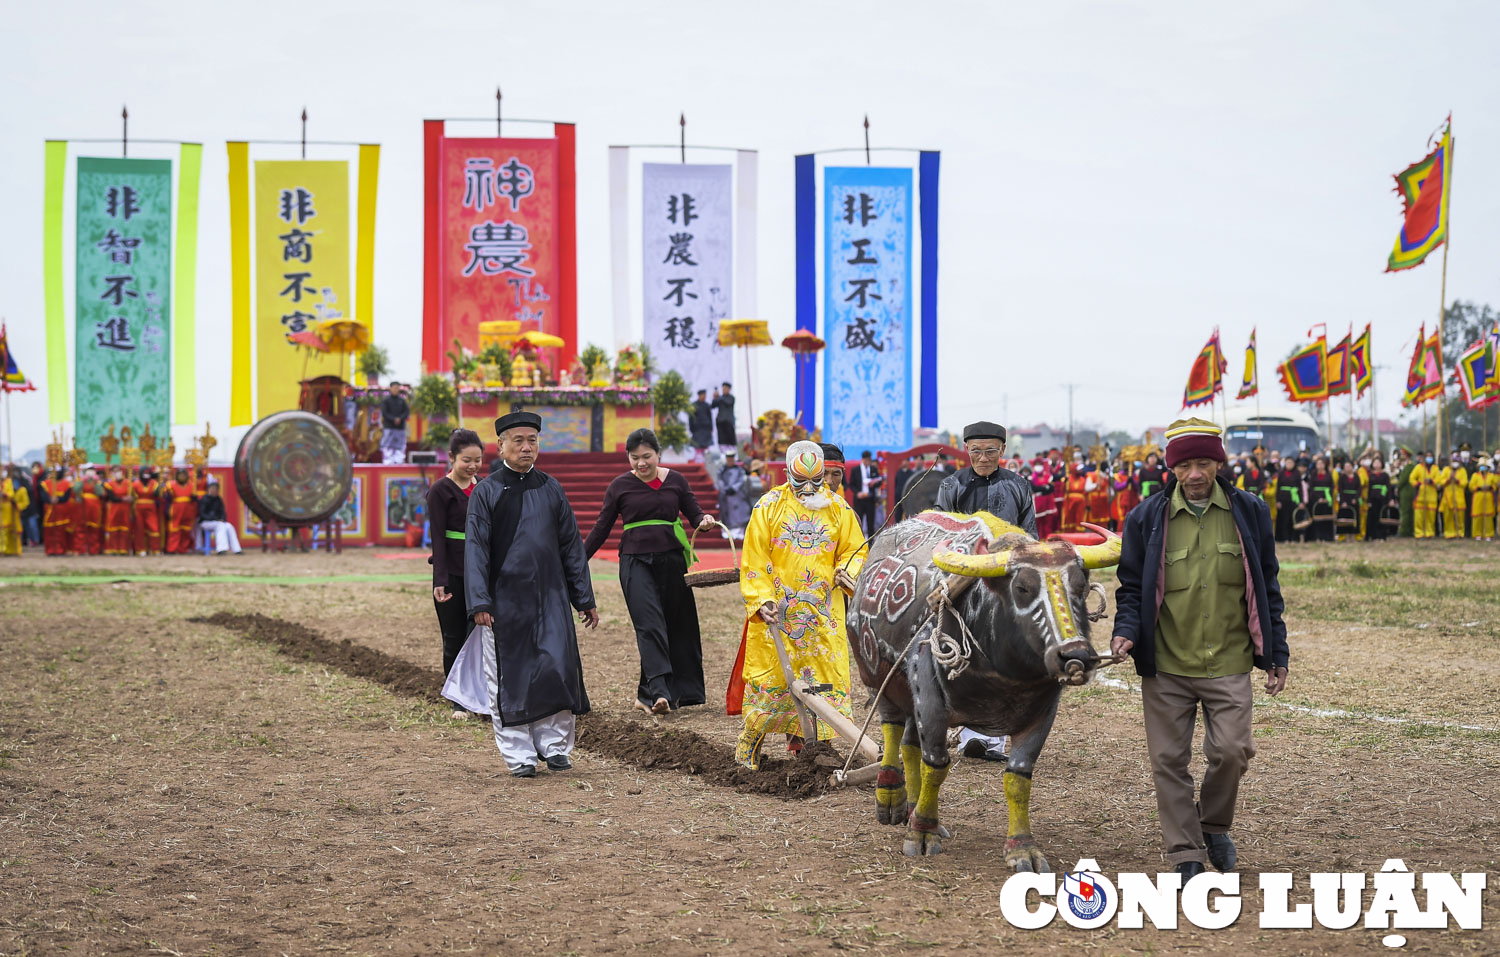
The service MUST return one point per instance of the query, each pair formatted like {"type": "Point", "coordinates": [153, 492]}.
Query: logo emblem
{"type": "Point", "coordinates": [1087, 897]}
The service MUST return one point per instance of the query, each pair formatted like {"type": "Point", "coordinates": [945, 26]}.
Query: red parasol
{"type": "Point", "coordinates": [804, 345]}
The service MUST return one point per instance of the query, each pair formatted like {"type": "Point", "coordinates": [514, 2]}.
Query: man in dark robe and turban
{"type": "Point", "coordinates": [525, 576]}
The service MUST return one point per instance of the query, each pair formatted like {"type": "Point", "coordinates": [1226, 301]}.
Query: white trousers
{"type": "Point", "coordinates": [223, 536]}
{"type": "Point", "coordinates": [990, 742]}
{"type": "Point", "coordinates": [522, 745]}
{"type": "Point", "coordinates": [474, 684]}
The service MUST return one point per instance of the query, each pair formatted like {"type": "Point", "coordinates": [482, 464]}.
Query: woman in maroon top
{"type": "Point", "coordinates": [447, 511]}
{"type": "Point", "coordinates": [653, 561]}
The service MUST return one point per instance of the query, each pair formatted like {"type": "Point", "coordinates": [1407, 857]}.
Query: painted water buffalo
{"type": "Point", "coordinates": [995, 657]}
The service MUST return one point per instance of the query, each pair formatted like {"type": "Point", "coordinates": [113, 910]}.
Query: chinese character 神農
{"type": "Point", "coordinates": [479, 183]}
{"type": "Point", "coordinates": [495, 248]}
{"type": "Point", "coordinates": [514, 181]}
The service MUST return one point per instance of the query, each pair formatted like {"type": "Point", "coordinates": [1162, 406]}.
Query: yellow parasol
{"type": "Point", "coordinates": [344, 335]}
{"type": "Point", "coordinates": [746, 333]}
{"type": "Point", "coordinates": [540, 340]}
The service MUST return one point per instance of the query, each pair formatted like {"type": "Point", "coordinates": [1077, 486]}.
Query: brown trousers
{"type": "Point", "coordinates": [1171, 705]}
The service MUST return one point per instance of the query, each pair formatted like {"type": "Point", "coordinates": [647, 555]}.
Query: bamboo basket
{"type": "Point", "coordinates": [709, 577]}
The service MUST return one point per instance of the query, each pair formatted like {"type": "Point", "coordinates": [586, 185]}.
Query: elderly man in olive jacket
{"type": "Point", "coordinates": [1198, 608]}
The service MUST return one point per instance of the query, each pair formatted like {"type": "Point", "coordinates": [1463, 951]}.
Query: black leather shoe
{"type": "Point", "coordinates": [559, 762]}
{"type": "Point", "coordinates": [1221, 852]}
{"type": "Point", "coordinates": [529, 771]}
{"type": "Point", "coordinates": [1190, 870]}
{"type": "Point", "coordinates": [995, 754]}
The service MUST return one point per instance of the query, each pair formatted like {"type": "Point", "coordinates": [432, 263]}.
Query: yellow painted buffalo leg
{"type": "Point", "coordinates": [922, 837]}
{"type": "Point", "coordinates": [890, 783]}
{"type": "Point", "coordinates": [1021, 852]}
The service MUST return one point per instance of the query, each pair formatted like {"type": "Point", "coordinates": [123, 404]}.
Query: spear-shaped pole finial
{"type": "Point", "coordinates": [304, 132]}
{"type": "Point", "coordinates": [497, 110]}
{"type": "Point", "coordinates": [124, 130]}
{"type": "Point", "coordinates": [682, 137]}
{"type": "Point", "coordinates": [867, 139]}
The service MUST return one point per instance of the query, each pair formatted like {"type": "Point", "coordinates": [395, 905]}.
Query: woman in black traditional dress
{"type": "Point", "coordinates": [447, 511]}
{"type": "Point", "coordinates": [1380, 495]}
{"type": "Point", "coordinates": [654, 557]}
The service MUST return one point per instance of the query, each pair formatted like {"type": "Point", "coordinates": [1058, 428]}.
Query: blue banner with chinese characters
{"type": "Point", "coordinates": [123, 298]}
{"type": "Point", "coordinates": [867, 308]}
{"type": "Point", "coordinates": [687, 263]}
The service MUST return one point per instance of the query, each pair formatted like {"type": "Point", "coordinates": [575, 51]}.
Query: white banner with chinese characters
{"type": "Point", "coordinates": [687, 249]}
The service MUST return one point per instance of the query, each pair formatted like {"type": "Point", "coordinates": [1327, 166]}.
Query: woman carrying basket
{"type": "Point", "coordinates": [654, 557]}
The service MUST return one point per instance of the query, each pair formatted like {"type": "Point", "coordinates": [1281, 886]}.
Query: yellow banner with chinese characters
{"type": "Point", "coordinates": [301, 275]}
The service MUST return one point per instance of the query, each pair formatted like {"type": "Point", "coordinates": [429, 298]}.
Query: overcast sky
{"type": "Point", "coordinates": [1118, 178]}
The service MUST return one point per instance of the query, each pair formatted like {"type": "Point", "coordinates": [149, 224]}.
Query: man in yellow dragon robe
{"type": "Point", "coordinates": [802, 545]}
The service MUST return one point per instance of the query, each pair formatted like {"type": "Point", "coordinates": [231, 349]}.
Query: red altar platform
{"type": "Point", "coordinates": [385, 499]}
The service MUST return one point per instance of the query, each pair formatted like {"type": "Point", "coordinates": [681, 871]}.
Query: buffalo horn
{"type": "Point", "coordinates": [1100, 556]}
{"type": "Point", "coordinates": [974, 566]}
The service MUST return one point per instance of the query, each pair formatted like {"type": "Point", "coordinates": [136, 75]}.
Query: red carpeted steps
{"type": "Point", "coordinates": [585, 475]}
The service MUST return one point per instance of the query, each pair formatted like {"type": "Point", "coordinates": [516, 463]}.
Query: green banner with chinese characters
{"type": "Point", "coordinates": [123, 296]}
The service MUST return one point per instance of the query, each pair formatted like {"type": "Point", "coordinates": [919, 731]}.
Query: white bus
{"type": "Point", "coordinates": [1283, 429]}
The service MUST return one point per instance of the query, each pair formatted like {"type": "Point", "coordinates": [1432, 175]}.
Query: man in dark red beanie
{"type": "Point", "coordinates": [1198, 608]}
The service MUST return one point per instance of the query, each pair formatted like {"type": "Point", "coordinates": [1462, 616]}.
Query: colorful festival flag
{"type": "Point", "coordinates": [1207, 376]}
{"type": "Point", "coordinates": [1424, 378]}
{"type": "Point", "coordinates": [500, 240]}
{"type": "Point", "coordinates": [1360, 371]}
{"type": "Point", "coordinates": [122, 299]}
{"type": "Point", "coordinates": [301, 273]}
{"type": "Point", "coordinates": [1423, 188]}
{"type": "Point", "coordinates": [869, 214]}
{"type": "Point", "coordinates": [1476, 376]}
{"type": "Point", "coordinates": [1414, 371]}
{"type": "Point", "coordinates": [1250, 385]}
{"type": "Point", "coordinates": [11, 377]}
{"type": "Point", "coordinates": [687, 239]}
{"type": "Point", "coordinates": [1305, 374]}
{"type": "Point", "coordinates": [1338, 368]}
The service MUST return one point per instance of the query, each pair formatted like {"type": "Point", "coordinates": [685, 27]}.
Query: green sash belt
{"type": "Point", "coordinates": [688, 555]}
{"type": "Point", "coordinates": [450, 533]}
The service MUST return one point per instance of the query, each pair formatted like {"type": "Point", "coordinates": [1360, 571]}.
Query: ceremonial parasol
{"type": "Point", "coordinates": [344, 335]}
{"type": "Point", "coordinates": [746, 333]}
{"type": "Point", "coordinates": [540, 340]}
{"type": "Point", "coordinates": [309, 340]}
{"type": "Point", "coordinates": [804, 345]}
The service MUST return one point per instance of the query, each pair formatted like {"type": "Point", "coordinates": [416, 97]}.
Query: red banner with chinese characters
{"type": "Point", "coordinates": [500, 239]}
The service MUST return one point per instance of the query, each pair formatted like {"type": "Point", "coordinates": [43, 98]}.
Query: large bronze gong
{"type": "Point", "coordinates": [293, 468]}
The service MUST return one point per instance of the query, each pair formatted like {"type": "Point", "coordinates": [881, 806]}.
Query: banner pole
{"type": "Point", "coordinates": [124, 130]}
{"type": "Point", "coordinates": [1442, 310]}
{"type": "Point", "coordinates": [1443, 288]}
{"type": "Point", "coordinates": [497, 111]}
